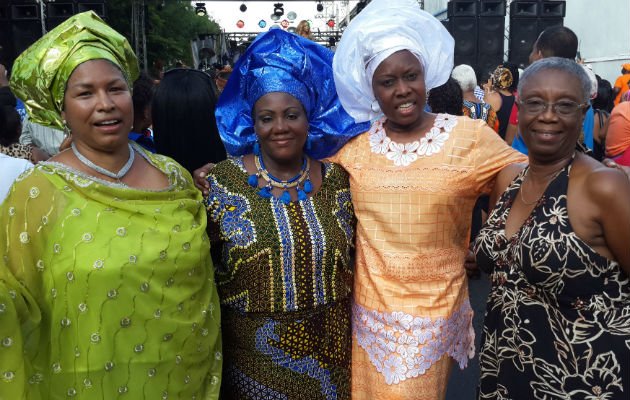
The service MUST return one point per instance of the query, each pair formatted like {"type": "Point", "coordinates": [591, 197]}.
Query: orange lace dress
{"type": "Point", "coordinates": [413, 202]}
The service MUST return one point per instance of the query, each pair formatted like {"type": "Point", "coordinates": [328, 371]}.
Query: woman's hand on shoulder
{"type": "Point", "coordinates": [199, 177]}
{"type": "Point", "coordinates": [611, 164]}
{"type": "Point", "coordinates": [610, 189]}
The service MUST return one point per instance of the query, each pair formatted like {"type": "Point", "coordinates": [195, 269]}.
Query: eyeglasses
{"type": "Point", "coordinates": [563, 107]}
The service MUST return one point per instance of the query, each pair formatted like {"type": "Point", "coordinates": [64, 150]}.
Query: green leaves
{"type": "Point", "coordinates": [170, 26]}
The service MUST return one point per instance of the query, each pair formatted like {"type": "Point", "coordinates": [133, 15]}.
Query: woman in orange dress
{"type": "Point", "coordinates": [414, 179]}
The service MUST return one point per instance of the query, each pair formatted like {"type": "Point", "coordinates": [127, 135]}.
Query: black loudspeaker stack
{"type": "Point", "coordinates": [478, 29]}
{"type": "Point", "coordinates": [528, 18]}
{"type": "Point", "coordinates": [21, 23]}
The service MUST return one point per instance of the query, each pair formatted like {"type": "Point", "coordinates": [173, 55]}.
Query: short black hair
{"type": "Point", "coordinates": [143, 91]}
{"type": "Point", "coordinates": [10, 125]}
{"type": "Point", "coordinates": [605, 99]}
{"type": "Point", "coordinates": [558, 41]}
{"type": "Point", "coordinates": [447, 98]}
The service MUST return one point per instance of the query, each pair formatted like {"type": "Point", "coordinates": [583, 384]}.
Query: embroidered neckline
{"type": "Point", "coordinates": [403, 154]}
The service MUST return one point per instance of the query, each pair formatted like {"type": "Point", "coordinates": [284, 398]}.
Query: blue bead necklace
{"type": "Point", "coordinates": [301, 182]}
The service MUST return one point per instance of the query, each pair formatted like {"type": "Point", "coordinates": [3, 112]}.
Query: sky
{"type": "Point", "coordinates": [227, 13]}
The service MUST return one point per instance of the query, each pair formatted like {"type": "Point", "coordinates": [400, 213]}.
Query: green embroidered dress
{"type": "Point", "coordinates": [284, 280]}
{"type": "Point", "coordinates": [106, 291]}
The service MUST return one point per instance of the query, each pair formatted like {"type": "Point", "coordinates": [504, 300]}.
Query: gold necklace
{"type": "Point", "coordinates": [554, 176]}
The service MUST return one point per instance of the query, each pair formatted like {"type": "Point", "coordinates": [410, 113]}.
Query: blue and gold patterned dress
{"type": "Point", "coordinates": [284, 279]}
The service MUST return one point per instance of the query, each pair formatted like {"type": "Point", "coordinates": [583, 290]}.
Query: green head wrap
{"type": "Point", "coordinates": [41, 72]}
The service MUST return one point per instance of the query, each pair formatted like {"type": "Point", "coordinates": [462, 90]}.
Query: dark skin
{"type": "Point", "coordinates": [399, 81]}
{"type": "Point", "coordinates": [398, 85]}
{"type": "Point", "coordinates": [597, 204]}
{"type": "Point", "coordinates": [97, 92]}
{"type": "Point", "coordinates": [281, 125]}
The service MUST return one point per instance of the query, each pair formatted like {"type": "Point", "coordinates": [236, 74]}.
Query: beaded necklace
{"type": "Point", "coordinates": [301, 182]}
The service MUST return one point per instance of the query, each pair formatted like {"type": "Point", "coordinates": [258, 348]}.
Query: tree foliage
{"type": "Point", "coordinates": [170, 26]}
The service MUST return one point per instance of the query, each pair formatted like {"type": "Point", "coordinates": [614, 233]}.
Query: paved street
{"type": "Point", "coordinates": [463, 384]}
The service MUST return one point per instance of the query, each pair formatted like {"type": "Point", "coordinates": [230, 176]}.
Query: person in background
{"type": "Point", "coordinates": [40, 142]}
{"type": "Point", "coordinates": [622, 83]}
{"type": "Point", "coordinates": [222, 77]}
{"type": "Point", "coordinates": [500, 95]}
{"type": "Point", "coordinates": [472, 106]}
{"type": "Point", "coordinates": [446, 98]}
{"type": "Point", "coordinates": [6, 97]}
{"type": "Point", "coordinates": [602, 106]}
{"type": "Point", "coordinates": [556, 245]}
{"type": "Point", "coordinates": [184, 125]}
{"type": "Point", "coordinates": [10, 129]}
{"type": "Point", "coordinates": [50, 140]}
{"type": "Point", "coordinates": [106, 282]}
{"type": "Point", "coordinates": [142, 96]}
{"type": "Point", "coordinates": [304, 29]}
{"type": "Point", "coordinates": [604, 99]}
{"type": "Point", "coordinates": [556, 41]}
{"type": "Point", "coordinates": [283, 225]}
{"type": "Point", "coordinates": [618, 134]}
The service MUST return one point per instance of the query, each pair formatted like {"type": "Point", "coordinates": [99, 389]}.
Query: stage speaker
{"type": "Point", "coordinates": [24, 27]}
{"type": "Point", "coordinates": [544, 23]}
{"type": "Point", "coordinates": [527, 20]}
{"type": "Point", "coordinates": [552, 8]}
{"type": "Point", "coordinates": [58, 12]}
{"type": "Point", "coordinates": [98, 6]}
{"type": "Point", "coordinates": [490, 43]}
{"type": "Point", "coordinates": [461, 8]}
{"type": "Point", "coordinates": [465, 31]}
{"type": "Point", "coordinates": [4, 12]}
{"type": "Point", "coordinates": [524, 9]}
{"type": "Point", "coordinates": [492, 8]}
{"type": "Point", "coordinates": [6, 44]}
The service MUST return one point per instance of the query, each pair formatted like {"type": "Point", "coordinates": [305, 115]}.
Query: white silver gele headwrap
{"type": "Point", "coordinates": [381, 29]}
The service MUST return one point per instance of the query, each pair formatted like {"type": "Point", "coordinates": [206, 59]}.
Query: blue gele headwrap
{"type": "Point", "coordinates": [279, 61]}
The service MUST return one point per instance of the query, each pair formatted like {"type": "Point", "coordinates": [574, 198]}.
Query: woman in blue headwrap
{"type": "Point", "coordinates": [283, 224]}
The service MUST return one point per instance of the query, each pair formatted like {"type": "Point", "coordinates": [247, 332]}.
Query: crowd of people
{"type": "Point", "coordinates": [303, 225]}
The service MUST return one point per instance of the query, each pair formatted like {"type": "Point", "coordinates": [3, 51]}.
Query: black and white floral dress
{"type": "Point", "coordinates": [557, 323]}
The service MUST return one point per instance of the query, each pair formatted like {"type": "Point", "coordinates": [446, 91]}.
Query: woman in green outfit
{"type": "Point", "coordinates": [106, 282]}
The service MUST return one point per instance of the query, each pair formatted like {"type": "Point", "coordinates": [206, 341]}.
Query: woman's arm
{"type": "Point", "coordinates": [610, 190]}
{"type": "Point", "coordinates": [503, 180]}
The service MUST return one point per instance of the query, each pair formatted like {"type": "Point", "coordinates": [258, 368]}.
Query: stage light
{"type": "Point", "coordinates": [200, 9]}
{"type": "Point", "coordinates": [278, 9]}
{"type": "Point", "coordinates": [320, 7]}
{"type": "Point", "coordinates": [243, 7]}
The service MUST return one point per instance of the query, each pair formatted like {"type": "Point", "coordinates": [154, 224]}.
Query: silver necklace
{"type": "Point", "coordinates": [118, 176]}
